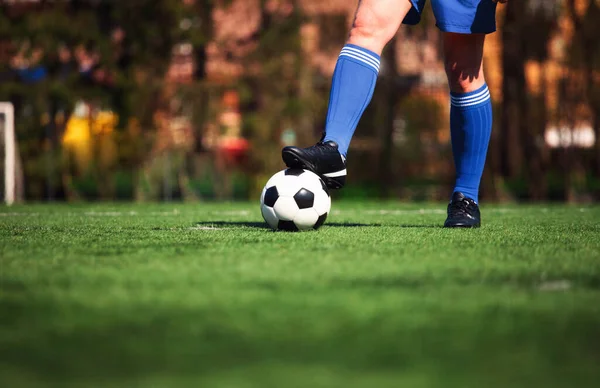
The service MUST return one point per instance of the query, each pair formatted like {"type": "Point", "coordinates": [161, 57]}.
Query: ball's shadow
{"type": "Point", "coordinates": [263, 225]}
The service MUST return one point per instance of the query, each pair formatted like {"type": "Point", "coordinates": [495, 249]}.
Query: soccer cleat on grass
{"type": "Point", "coordinates": [463, 212]}
{"type": "Point", "coordinates": [323, 159]}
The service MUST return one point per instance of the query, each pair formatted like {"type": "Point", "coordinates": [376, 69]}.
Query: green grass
{"type": "Point", "coordinates": [382, 296]}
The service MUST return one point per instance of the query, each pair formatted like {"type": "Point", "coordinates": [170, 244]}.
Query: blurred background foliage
{"type": "Point", "coordinates": [192, 100]}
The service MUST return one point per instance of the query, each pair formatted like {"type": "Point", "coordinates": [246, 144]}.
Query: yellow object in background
{"type": "Point", "coordinates": [77, 132]}
{"type": "Point", "coordinates": [85, 131]}
{"type": "Point", "coordinates": [104, 122]}
{"type": "Point", "coordinates": [77, 141]}
{"type": "Point", "coordinates": [105, 147]}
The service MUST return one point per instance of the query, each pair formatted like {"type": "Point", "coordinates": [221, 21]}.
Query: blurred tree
{"type": "Point", "coordinates": [513, 89]}
{"type": "Point", "coordinates": [113, 53]}
{"type": "Point", "coordinates": [524, 114]}
{"type": "Point", "coordinates": [544, 15]}
{"type": "Point", "coordinates": [584, 56]}
{"type": "Point", "coordinates": [276, 92]}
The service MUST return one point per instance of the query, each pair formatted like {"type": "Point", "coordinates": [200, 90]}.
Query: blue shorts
{"type": "Point", "coordinates": [460, 16]}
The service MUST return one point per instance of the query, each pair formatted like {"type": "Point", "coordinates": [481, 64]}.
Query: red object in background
{"type": "Point", "coordinates": [234, 150]}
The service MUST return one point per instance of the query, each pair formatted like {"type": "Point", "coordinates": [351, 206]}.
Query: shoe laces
{"type": "Point", "coordinates": [319, 151]}
{"type": "Point", "coordinates": [321, 147]}
{"type": "Point", "coordinates": [459, 208]}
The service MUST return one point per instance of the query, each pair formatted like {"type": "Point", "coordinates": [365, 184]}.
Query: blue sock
{"type": "Point", "coordinates": [353, 84]}
{"type": "Point", "coordinates": [470, 129]}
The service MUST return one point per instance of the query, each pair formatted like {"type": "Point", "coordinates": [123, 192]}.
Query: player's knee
{"type": "Point", "coordinates": [464, 61]}
{"type": "Point", "coordinates": [372, 29]}
{"type": "Point", "coordinates": [464, 79]}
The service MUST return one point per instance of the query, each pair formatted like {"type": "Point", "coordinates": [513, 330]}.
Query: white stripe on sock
{"type": "Point", "coordinates": [479, 97]}
{"type": "Point", "coordinates": [470, 97]}
{"type": "Point", "coordinates": [361, 60]}
{"type": "Point", "coordinates": [362, 52]}
{"type": "Point", "coordinates": [474, 102]}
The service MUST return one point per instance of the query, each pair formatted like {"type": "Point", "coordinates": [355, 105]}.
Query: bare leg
{"type": "Point", "coordinates": [376, 22]}
{"type": "Point", "coordinates": [463, 56]}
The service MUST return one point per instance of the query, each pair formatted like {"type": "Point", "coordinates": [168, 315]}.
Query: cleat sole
{"type": "Point", "coordinates": [463, 226]}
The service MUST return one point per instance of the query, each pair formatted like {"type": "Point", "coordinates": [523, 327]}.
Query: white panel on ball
{"type": "Point", "coordinates": [286, 208]}
{"type": "Point", "coordinates": [306, 218]}
{"type": "Point", "coordinates": [269, 215]}
{"type": "Point", "coordinates": [322, 203]}
{"type": "Point", "coordinates": [310, 181]}
{"type": "Point", "coordinates": [288, 185]}
{"type": "Point", "coordinates": [274, 179]}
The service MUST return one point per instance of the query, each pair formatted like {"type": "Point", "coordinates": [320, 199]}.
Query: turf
{"type": "Point", "coordinates": [204, 296]}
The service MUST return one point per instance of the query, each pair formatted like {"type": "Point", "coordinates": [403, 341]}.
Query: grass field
{"type": "Point", "coordinates": [382, 296]}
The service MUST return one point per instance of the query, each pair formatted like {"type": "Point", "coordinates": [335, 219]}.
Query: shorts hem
{"type": "Point", "coordinates": [411, 22]}
{"type": "Point", "coordinates": [445, 27]}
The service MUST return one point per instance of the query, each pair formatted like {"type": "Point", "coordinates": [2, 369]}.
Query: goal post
{"type": "Point", "coordinates": [7, 110]}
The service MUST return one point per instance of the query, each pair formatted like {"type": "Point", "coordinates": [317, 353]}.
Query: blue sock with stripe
{"type": "Point", "coordinates": [352, 88]}
{"type": "Point", "coordinates": [470, 129]}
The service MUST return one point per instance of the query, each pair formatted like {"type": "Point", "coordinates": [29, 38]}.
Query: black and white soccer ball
{"type": "Point", "coordinates": [295, 199]}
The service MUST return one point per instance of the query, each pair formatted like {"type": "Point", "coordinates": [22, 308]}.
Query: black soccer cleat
{"type": "Point", "coordinates": [463, 212]}
{"type": "Point", "coordinates": [323, 159]}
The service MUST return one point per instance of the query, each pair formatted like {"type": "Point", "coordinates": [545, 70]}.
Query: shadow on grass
{"type": "Point", "coordinates": [427, 226]}
{"type": "Point", "coordinates": [263, 225]}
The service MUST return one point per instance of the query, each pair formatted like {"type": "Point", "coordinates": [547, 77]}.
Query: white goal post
{"type": "Point", "coordinates": [8, 111]}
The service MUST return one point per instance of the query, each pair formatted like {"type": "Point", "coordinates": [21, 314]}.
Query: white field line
{"type": "Point", "coordinates": [205, 228]}
{"type": "Point", "coordinates": [93, 213]}
{"type": "Point", "coordinates": [13, 214]}
{"type": "Point", "coordinates": [232, 213]}
{"type": "Point", "coordinates": [383, 212]}
{"type": "Point", "coordinates": [557, 285]}
{"type": "Point", "coordinates": [392, 212]}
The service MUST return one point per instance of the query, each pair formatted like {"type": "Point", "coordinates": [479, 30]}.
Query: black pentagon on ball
{"type": "Point", "coordinates": [324, 186]}
{"type": "Point", "coordinates": [288, 226]}
{"type": "Point", "coordinates": [304, 199]}
{"type": "Point", "coordinates": [320, 221]}
{"type": "Point", "coordinates": [271, 196]}
{"type": "Point", "coordinates": [294, 171]}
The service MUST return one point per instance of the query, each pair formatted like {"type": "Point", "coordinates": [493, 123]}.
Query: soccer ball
{"type": "Point", "coordinates": [295, 199]}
